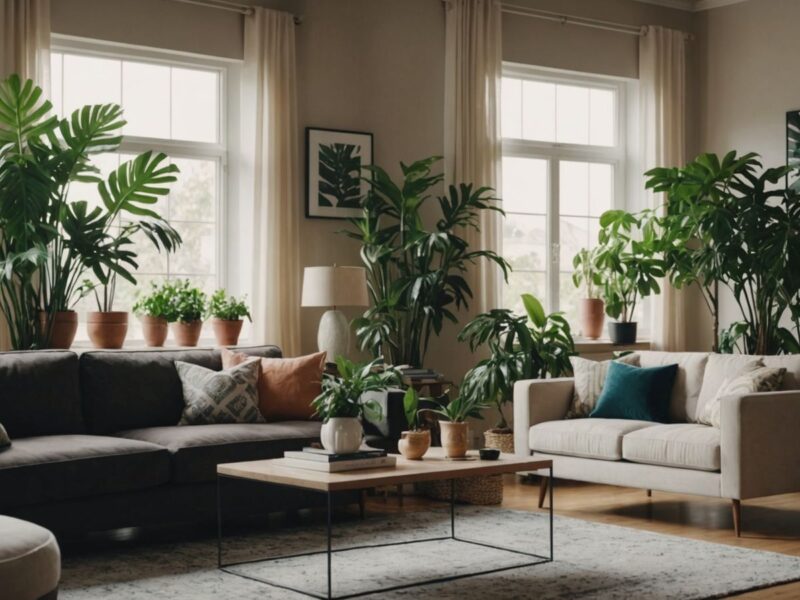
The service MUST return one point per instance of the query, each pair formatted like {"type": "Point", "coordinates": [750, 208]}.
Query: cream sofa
{"type": "Point", "coordinates": [755, 452]}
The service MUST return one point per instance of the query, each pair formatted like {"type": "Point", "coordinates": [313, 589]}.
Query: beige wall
{"type": "Point", "coordinates": [747, 80]}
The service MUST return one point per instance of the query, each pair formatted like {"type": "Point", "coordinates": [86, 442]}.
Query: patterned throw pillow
{"type": "Point", "coordinates": [590, 375]}
{"type": "Point", "coordinates": [762, 379]}
{"type": "Point", "coordinates": [212, 397]}
{"type": "Point", "coordinates": [5, 441]}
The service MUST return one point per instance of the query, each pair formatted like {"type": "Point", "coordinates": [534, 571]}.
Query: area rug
{"type": "Point", "coordinates": [592, 560]}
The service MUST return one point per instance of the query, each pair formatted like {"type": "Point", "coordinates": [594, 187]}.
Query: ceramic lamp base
{"type": "Point", "coordinates": [334, 335]}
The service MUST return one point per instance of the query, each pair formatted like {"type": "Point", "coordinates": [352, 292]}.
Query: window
{"type": "Point", "coordinates": [563, 166]}
{"type": "Point", "coordinates": [172, 104]}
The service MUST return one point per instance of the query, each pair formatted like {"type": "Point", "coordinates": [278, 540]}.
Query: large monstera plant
{"type": "Point", "coordinates": [50, 241]}
{"type": "Point", "coordinates": [416, 274]}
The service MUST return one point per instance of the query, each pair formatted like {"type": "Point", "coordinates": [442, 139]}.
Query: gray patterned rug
{"type": "Point", "coordinates": [592, 560]}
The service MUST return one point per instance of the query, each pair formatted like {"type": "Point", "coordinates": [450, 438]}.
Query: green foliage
{"type": "Point", "coordinates": [468, 404]}
{"type": "Point", "coordinates": [532, 346]}
{"type": "Point", "coordinates": [587, 272]}
{"type": "Point", "coordinates": [185, 302]}
{"type": "Point", "coordinates": [731, 222]}
{"type": "Point", "coordinates": [340, 175]}
{"type": "Point", "coordinates": [411, 408]}
{"type": "Point", "coordinates": [49, 243]}
{"type": "Point", "coordinates": [415, 275]}
{"type": "Point", "coordinates": [342, 394]}
{"type": "Point", "coordinates": [228, 308]}
{"type": "Point", "coordinates": [627, 261]}
{"type": "Point", "coordinates": [155, 303]}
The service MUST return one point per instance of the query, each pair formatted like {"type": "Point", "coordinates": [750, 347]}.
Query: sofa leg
{"type": "Point", "coordinates": [649, 493]}
{"type": "Point", "coordinates": [543, 483]}
{"type": "Point", "coordinates": [736, 508]}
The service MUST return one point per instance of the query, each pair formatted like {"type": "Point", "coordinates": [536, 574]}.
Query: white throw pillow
{"type": "Point", "coordinates": [722, 367]}
{"type": "Point", "coordinates": [590, 376]}
{"type": "Point", "coordinates": [762, 379]}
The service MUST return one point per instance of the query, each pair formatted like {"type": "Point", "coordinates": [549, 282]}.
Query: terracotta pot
{"type": "Point", "coordinates": [227, 332]}
{"type": "Point", "coordinates": [186, 334]}
{"type": "Point", "coordinates": [65, 326]}
{"type": "Point", "coordinates": [414, 444]}
{"type": "Point", "coordinates": [454, 439]}
{"type": "Point", "coordinates": [622, 333]}
{"type": "Point", "coordinates": [341, 435]}
{"type": "Point", "coordinates": [107, 329]}
{"type": "Point", "coordinates": [592, 315]}
{"type": "Point", "coordinates": [154, 330]}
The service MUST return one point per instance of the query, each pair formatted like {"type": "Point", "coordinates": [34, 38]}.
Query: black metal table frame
{"type": "Point", "coordinates": [226, 567]}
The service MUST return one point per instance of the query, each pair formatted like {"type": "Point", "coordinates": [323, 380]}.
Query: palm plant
{"type": "Point", "coordinates": [50, 242]}
{"type": "Point", "coordinates": [532, 346]}
{"type": "Point", "coordinates": [416, 275]}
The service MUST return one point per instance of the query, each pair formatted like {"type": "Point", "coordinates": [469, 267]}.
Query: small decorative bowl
{"type": "Point", "coordinates": [489, 453]}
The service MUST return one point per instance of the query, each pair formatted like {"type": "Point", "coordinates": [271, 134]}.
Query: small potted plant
{"type": "Point", "coordinates": [226, 314]}
{"type": "Point", "coordinates": [186, 307]}
{"type": "Point", "coordinates": [468, 403]}
{"type": "Point", "coordinates": [341, 404]}
{"type": "Point", "coordinates": [415, 442]}
{"type": "Point", "coordinates": [630, 266]}
{"type": "Point", "coordinates": [591, 307]}
{"type": "Point", "coordinates": [152, 309]}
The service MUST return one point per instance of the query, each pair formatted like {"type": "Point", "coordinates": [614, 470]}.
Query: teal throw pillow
{"type": "Point", "coordinates": [637, 393]}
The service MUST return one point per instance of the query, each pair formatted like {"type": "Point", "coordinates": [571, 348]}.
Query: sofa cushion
{"type": "Point", "coordinates": [42, 469]}
{"type": "Point", "coordinates": [135, 389]}
{"type": "Point", "coordinates": [587, 438]}
{"type": "Point", "coordinates": [636, 393]}
{"type": "Point", "coordinates": [39, 393]}
{"type": "Point", "coordinates": [684, 445]}
{"type": "Point", "coordinates": [197, 450]}
{"type": "Point", "coordinates": [688, 380]}
{"type": "Point", "coordinates": [228, 396]}
{"type": "Point", "coordinates": [719, 368]}
{"type": "Point", "coordinates": [590, 376]}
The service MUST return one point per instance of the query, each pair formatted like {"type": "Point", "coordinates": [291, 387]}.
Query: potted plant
{"type": "Point", "coordinates": [186, 305]}
{"type": "Point", "coordinates": [630, 265]}
{"type": "Point", "coordinates": [415, 442]}
{"type": "Point", "coordinates": [590, 308]}
{"type": "Point", "coordinates": [49, 241]}
{"type": "Point", "coordinates": [226, 314]}
{"type": "Point", "coordinates": [468, 403]}
{"type": "Point", "coordinates": [152, 309]}
{"type": "Point", "coordinates": [341, 404]}
{"type": "Point", "coordinates": [532, 346]}
{"type": "Point", "coordinates": [415, 273]}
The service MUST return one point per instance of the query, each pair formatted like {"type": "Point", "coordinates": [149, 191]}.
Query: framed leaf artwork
{"type": "Point", "coordinates": [793, 147]}
{"type": "Point", "coordinates": [335, 162]}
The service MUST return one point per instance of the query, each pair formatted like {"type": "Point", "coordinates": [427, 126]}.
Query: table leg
{"type": "Point", "coordinates": [330, 508]}
{"type": "Point", "coordinates": [550, 499]}
{"type": "Point", "coordinates": [219, 523]}
{"type": "Point", "coordinates": [453, 508]}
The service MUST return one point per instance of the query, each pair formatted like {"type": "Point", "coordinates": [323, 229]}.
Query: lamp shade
{"type": "Point", "coordinates": [335, 286]}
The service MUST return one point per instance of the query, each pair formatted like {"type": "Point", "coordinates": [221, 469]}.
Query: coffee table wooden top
{"type": "Point", "coordinates": [433, 467]}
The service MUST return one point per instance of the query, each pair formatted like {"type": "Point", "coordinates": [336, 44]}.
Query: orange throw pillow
{"type": "Point", "coordinates": [286, 386]}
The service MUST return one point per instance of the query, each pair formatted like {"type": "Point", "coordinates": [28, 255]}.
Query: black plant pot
{"type": "Point", "coordinates": [622, 333]}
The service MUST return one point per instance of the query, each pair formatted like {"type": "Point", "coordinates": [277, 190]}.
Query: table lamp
{"type": "Point", "coordinates": [333, 287]}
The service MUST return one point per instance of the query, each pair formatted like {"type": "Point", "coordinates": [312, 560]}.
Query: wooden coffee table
{"type": "Point", "coordinates": [434, 467]}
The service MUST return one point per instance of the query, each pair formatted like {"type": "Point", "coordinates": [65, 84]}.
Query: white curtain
{"type": "Point", "coordinates": [270, 90]}
{"type": "Point", "coordinates": [473, 58]}
{"type": "Point", "coordinates": [24, 50]}
{"type": "Point", "coordinates": [662, 80]}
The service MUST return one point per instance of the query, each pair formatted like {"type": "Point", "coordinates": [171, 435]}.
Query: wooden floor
{"type": "Point", "coordinates": [767, 524]}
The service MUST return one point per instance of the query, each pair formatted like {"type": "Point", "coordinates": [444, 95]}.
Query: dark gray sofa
{"type": "Point", "coordinates": [95, 443]}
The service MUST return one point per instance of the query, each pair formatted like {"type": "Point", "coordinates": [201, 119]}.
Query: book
{"type": "Point", "coordinates": [339, 466]}
{"type": "Point", "coordinates": [324, 456]}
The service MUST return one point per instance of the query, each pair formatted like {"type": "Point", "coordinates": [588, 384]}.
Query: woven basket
{"type": "Point", "coordinates": [502, 441]}
{"type": "Point", "coordinates": [483, 490]}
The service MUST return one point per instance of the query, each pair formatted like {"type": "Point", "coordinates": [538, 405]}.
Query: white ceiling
{"type": "Point", "coordinates": [692, 5]}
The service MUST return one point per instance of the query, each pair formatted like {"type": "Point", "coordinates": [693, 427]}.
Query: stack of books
{"type": "Point", "coordinates": [318, 459]}
{"type": "Point", "coordinates": [413, 375]}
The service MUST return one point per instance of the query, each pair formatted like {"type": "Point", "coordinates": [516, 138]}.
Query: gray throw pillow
{"type": "Point", "coordinates": [5, 441]}
{"type": "Point", "coordinates": [590, 376]}
{"type": "Point", "coordinates": [228, 396]}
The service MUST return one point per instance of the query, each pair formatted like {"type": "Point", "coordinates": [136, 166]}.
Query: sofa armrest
{"type": "Point", "coordinates": [538, 400]}
{"type": "Point", "coordinates": [760, 444]}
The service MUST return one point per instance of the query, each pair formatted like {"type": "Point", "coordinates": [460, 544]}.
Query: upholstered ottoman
{"type": "Point", "coordinates": [30, 561]}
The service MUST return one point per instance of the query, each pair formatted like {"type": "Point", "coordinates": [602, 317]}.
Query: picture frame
{"type": "Point", "coordinates": [335, 160]}
{"type": "Point", "coordinates": [793, 147]}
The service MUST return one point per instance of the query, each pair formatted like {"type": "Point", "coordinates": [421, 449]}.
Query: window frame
{"type": "Point", "coordinates": [556, 152]}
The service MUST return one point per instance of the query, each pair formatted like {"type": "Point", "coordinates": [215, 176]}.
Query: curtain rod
{"type": "Point", "coordinates": [242, 9]}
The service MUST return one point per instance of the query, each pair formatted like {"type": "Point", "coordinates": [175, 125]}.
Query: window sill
{"type": "Point", "coordinates": [139, 345]}
{"type": "Point", "coordinates": [604, 346]}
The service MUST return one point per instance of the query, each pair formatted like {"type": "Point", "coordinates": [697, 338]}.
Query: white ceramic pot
{"type": "Point", "coordinates": [341, 435]}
